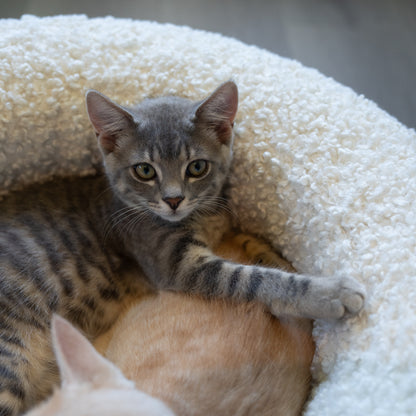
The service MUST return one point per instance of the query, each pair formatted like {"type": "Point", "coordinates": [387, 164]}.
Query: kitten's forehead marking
{"type": "Point", "coordinates": [184, 152]}
{"type": "Point", "coordinates": [152, 154]}
{"type": "Point", "coordinates": [187, 152]}
{"type": "Point", "coordinates": [166, 123]}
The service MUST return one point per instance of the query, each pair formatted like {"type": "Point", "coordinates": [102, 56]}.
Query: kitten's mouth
{"type": "Point", "coordinates": [172, 210]}
{"type": "Point", "coordinates": [174, 215]}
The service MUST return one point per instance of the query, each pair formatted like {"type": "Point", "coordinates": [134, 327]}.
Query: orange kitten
{"type": "Point", "coordinates": [215, 357]}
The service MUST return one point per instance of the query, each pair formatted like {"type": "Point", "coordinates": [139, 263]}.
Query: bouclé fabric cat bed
{"type": "Point", "coordinates": [322, 173]}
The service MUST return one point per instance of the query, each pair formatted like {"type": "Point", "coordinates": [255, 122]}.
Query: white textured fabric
{"type": "Point", "coordinates": [321, 172]}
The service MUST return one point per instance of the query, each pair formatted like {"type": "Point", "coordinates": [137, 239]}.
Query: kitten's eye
{"type": "Point", "coordinates": [197, 168]}
{"type": "Point", "coordinates": [145, 171]}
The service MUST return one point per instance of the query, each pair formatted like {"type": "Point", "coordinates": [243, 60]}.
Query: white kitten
{"type": "Point", "coordinates": [91, 385]}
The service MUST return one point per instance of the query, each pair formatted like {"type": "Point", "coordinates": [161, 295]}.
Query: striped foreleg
{"type": "Point", "coordinates": [198, 270]}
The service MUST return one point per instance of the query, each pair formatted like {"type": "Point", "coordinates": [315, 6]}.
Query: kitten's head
{"type": "Point", "coordinates": [91, 385]}
{"type": "Point", "coordinates": [169, 156]}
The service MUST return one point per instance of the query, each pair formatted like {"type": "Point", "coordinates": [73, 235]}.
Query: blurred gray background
{"type": "Point", "coordinates": [369, 45]}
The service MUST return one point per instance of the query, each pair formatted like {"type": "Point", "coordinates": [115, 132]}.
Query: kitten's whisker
{"type": "Point", "coordinates": [103, 192]}
{"type": "Point", "coordinates": [132, 223]}
{"type": "Point", "coordinates": [140, 214]}
{"type": "Point", "coordinates": [109, 226]}
{"type": "Point", "coordinates": [119, 217]}
{"type": "Point", "coordinates": [210, 205]}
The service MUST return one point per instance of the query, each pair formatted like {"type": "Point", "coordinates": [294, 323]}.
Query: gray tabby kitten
{"type": "Point", "coordinates": [76, 247]}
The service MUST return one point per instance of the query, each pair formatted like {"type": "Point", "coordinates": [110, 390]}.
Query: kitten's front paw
{"type": "Point", "coordinates": [336, 297]}
{"type": "Point", "coordinates": [352, 296]}
{"type": "Point", "coordinates": [323, 298]}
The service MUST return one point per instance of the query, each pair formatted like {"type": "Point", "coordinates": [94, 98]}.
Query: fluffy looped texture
{"type": "Point", "coordinates": [321, 172]}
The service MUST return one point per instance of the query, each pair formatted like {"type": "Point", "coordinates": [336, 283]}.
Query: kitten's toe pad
{"type": "Point", "coordinates": [352, 296]}
{"type": "Point", "coordinates": [342, 297]}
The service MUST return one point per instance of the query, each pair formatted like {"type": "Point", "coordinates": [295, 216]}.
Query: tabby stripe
{"type": "Point", "coordinates": [18, 316]}
{"type": "Point", "coordinates": [11, 340]}
{"type": "Point", "coordinates": [67, 286]}
{"type": "Point", "coordinates": [82, 270]}
{"type": "Point", "coordinates": [55, 258]}
{"type": "Point", "coordinates": [7, 374]}
{"type": "Point", "coordinates": [31, 272]}
{"type": "Point", "coordinates": [16, 389]}
{"type": "Point", "coordinates": [90, 303]}
{"type": "Point", "coordinates": [6, 327]}
{"type": "Point", "coordinates": [5, 410]}
{"type": "Point", "coordinates": [69, 245]}
{"type": "Point", "coordinates": [100, 246]}
{"type": "Point", "coordinates": [256, 279]}
{"type": "Point", "coordinates": [104, 271]}
{"type": "Point", "coordinates": [89, 253]}
{"type": "Point", "coordinates": [160, 151]}
{"type": "Point", "coordinates": [4, 352]}
{"type": "Point", "coordinates": [109, 293]}
{"type": "Point", "coordinates": [187, 151]}
{"type": "Point", "coordinates": [181, 249]}
{"type": "Point", "coordinates": [292, 287]}
{"type": "Point", "coordinates": [96, 264]}
{"type": "Point", "coordinates": [169, 152]}
{"type": "Point", "coordinates": [53, 303]}
{"type": "Point", "coordinates": [152, 152]}
{"type": "Point", "coordinates": [234, 280]}
{"type": "Point", "coordinates": [108, 256]}
{"type": "Point", "coordinates": [14, 295]}
{"type": "Point", "coordinates": [32, 306]}
{"type": "Point", "coordinates": [304, 286]}
{"type": "Point", "coordinates": [56, 261]}
{"type": "Point", "coordinates": [76, 315]}
{"type": "Point", "coordinates": [82, 239]}
{"type": "Point", "coordinates": [178, 150]}
{"type": "Point", "coordinates": [208, 275]}
{"type": "Point", "coordinates": [20, 309]}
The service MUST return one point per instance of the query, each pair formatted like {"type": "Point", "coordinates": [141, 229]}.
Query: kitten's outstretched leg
{"type": "Point", "coordinates": [186, 263]}
{"type": "Point", "coordinates": [351, 294]}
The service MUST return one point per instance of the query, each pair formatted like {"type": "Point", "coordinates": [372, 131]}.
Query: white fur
{"type": "Point", "coordinates": [321, 172]}
{"type": "Point", "coordinates": [91, 385]}
{"type": "Point", "coordinates": [83, 401]}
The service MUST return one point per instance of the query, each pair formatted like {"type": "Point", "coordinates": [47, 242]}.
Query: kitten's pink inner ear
{"type": "Point", "coordinates": [219, 110]}
{"type": "Point", "coordinates": [77, 359]}
{"type": "Point", "coordinates": [107, 142]}
{"type": "Point", "coordinates": [108, 119]}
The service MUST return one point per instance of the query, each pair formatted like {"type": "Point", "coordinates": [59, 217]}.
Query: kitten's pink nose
{"type": "Point", "coordinates": [174, 202]}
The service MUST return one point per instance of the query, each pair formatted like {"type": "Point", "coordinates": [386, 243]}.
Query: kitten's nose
{"type": "Point", "coordinates": [174, 202]}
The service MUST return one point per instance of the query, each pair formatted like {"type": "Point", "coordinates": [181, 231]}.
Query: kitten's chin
{"type": "Point", "coordinates": [173, 216]}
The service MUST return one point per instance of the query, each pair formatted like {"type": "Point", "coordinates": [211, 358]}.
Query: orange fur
{"type": "Point", "coordinates": [213, 357]}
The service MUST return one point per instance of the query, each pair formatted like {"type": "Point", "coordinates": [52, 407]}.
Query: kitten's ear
{"type": "Point", "coordinates": [78, 360]}
{"type": "Point", "coordinates": [218, 111]}
{"type": "Point", "coordinates": [109, 119]}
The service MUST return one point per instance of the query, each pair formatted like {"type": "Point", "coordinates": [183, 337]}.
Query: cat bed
{"type": "Point", "coordinates": [321, 172]}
